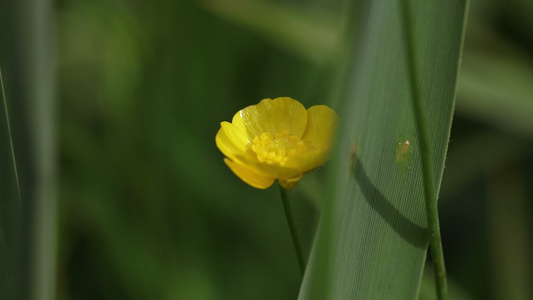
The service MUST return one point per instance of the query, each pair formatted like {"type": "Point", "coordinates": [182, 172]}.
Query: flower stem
{"type": "Point", "coordinates": [292, 228]}
{"type": "Point", "coordinates": [435, 243]}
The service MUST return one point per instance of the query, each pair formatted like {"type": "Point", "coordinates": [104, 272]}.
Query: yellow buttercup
{"type": "Point", "coordinates": [276, 139]}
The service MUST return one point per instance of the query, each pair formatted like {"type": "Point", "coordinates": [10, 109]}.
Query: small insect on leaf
{"type": "Point", "coordinates": [404, 153]}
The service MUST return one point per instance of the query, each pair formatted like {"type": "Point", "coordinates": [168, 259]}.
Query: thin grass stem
{"type": "Point", "coordinates": [10, 136]}
{"type": "Point", "coordinates": [435, 243]}
{"type": "Point", "coordinates": [292, 228]}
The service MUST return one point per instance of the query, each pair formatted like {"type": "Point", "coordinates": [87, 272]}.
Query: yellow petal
{"type": "Point", "coordinates": [309, 160]}
{"type": "Point", "coordinates": [321, 125]}
{"type": "Point", "coordinates": [272, 116]}
{"type": "Point", "coordinates": [233, 143]}
{"type": "Point", "coordinates": [318, 136]}
{"type": "Point", "coordinates": [274, 171]}
{"type": "Point", "coordinates": [248, 176]}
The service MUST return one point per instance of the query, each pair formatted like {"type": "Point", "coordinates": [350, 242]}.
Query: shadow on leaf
{"type": "Point", "coordinates": [407, 229]}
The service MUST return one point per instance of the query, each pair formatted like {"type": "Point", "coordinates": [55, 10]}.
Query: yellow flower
{"type": "Point", "coordinates": [276, 139]}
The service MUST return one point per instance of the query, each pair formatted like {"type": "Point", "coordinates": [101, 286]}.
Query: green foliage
{"type": "Point", "coordinates": [10, 210]}
{"type": "Point", "coordinates": [375, 225]}
{"type": "Point", "coordinates": [147, 208]}
{"type": "Point", "coordinates": [27, 141]}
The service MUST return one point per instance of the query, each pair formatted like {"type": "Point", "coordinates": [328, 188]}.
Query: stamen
{"type": "Point", "coordinates": [278, 149]}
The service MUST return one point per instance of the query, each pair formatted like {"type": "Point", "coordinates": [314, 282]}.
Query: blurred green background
{"type": "Point", "coordinates": [147, 208]}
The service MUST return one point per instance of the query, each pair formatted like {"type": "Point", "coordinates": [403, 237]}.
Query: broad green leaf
{"type": "Point", "coordinates": [372, 240]}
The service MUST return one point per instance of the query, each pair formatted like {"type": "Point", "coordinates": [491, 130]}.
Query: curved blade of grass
{"type": "Point", "coordinates": [372, 240]}
{"type": "Point", "coordinates": [10, 207]}
{"type": "Point", "coordinates": [30, 228]}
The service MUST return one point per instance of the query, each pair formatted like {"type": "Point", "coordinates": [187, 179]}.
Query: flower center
{"type": "Point", "coordinates": [278, 149]}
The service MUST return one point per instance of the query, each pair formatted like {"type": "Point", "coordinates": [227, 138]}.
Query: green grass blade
{"type": "Point", "coordinates": [372, 239]}
{"type": "Point", "coordinates": [8, 149]}
{"type": "Point", "coordinates": [28, 228]}
{"type": "Point", "coordinates": [10, 208]}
